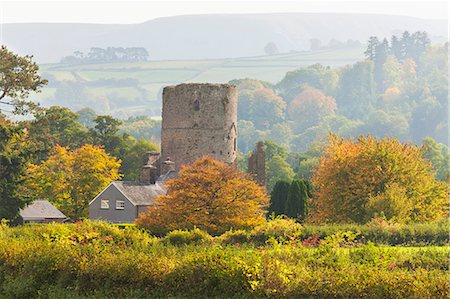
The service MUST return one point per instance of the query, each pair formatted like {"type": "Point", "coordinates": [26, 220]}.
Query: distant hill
{"type": "Point", "coordinates": [134, 88]}
{"type": "Point", "coordinates": [210, 36]}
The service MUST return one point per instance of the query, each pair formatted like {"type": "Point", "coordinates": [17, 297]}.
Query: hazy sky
{"type": "Point", "coordinates": [140, 11]}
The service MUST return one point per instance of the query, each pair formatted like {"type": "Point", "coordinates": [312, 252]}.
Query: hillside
{"type": "Point", "coordinates": [210, 36]}
{"type": "Point", "coordinates": [124, 89]}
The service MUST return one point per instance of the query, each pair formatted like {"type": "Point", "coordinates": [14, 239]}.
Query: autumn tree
{"type": "Point", "coordinates": [210, 195]}
{"type": "Point", "coordinates": [315, 76]}
{"type": "Point", "coordinates": [19, 75]}
{"type": "Point", "coordinates": [357, 179]}
{"type": "Point", "coordinates": [71, 179]}
{"type": "Point", "coordinates": [310, 107]}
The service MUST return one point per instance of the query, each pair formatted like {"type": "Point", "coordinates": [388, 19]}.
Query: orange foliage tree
{"type": "Point", "coordinates": [71, 179]}
{"type": "Point", "coordinates": [209, 195]}
{"type": "Point", "coordinates": [359, 179]}
{"type": "Point", "coordinates": [311, 106]}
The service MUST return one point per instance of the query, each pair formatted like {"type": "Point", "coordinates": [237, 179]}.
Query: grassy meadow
{"type": "Point", "coordinates": [280, 259]}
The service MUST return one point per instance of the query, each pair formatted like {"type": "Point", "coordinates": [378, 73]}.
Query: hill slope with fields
{"type": "Point", "coordinates": [134, 88]}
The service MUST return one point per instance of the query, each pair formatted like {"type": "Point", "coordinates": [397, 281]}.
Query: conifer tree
{"type": "Point", "coordinates": [296, 200]}
{"type": "Point", "coordinates": [278, 197]}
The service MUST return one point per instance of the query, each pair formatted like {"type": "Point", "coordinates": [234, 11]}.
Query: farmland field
{"type": "Point", "coordinates": [124, 89]}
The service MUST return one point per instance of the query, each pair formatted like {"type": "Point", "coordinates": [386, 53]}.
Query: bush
{"type": "Point", "coordinates": [234, 237]}
{"type": "Point", "coordinates": [99, 260]}
{"type": "Point", "coordinates": [381, 232]}
{"type": "Point", "coordinates": [185, 237]}
{"type": "Point", "coordinates": [280, 229]}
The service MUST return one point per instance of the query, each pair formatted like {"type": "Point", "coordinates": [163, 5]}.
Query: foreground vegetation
{"type": "Point", "coordinates": [98, 260]}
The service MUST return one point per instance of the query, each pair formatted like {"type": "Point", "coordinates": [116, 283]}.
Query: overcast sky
{"type": "Point", "coordinates": [120, 12]}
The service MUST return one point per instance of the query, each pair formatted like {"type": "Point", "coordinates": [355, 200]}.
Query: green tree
{"type": "Point", "coordinates": [357, 90]}
{"type": "Point", "coordinates": [439, 155]}
{"type": "Point", "coordinates": [381, 54]}
{"type": "Point", "coordinates": [19, 75]}
{"type": "Point", "coordinates": [106, 125]}
{"type": "Point", "coordinates": [105, 133]}
{"type": "Point", "coordinates": [86, 117]}
{"type": "Point", "coordinates": [278, 170]}
{"type": "Point", "coordinates": [261, 106]}
{"type": "Point", "coordinates": [248, 135]}
{"type": "Point", "coordinates": [371, 50]}
{"type": "Point", "coordinates": [294, 82]}
{"type": "Point", "coordinates": [14, 156]}
{"type": "Point", "coordinates": [296, 202]}
{"type": "Point", "coordinates": [54, 126]}
{"type": "Point", "coordinates": [132, 160]}
{"type": "Point", "coordinates": [278, 198]}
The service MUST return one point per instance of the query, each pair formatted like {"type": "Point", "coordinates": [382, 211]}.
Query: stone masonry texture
{"type": "Point", "coordinates": [197, 120]}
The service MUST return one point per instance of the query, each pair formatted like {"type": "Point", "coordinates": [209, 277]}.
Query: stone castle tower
{"type": "Point", "coordinates": [197, 120]}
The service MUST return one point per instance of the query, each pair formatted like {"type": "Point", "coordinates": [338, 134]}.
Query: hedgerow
{"type": "Point", "coordinates": [98, 260]}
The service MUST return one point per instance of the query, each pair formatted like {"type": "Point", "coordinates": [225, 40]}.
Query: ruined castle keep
{"type": "Point", "coordinates": [197, 120]}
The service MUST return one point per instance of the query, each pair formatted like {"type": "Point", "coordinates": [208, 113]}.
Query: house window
{"type": "Point", "coordinates": [120, 205]}
{"type": "Point", "coordinates": [105, 204]}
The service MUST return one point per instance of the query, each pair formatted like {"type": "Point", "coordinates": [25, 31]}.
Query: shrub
{"type": "Point", "coordinates": [382, 232]}
{"type": "Point", "coordinates": [41, 261]}
{"type": "Point", "coordinates": [281, 229]}
{"type": "Point", "coordinates": [234, 237]}
{"type": "Point", "coordinates": [185, 237]}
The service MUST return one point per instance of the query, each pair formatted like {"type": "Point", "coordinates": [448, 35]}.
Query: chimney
{"type": "Point", "coordinates": [167, 166]}
{"type": "Point", "coordinates": [149, 158]}
{"type": "Point", "coordinates": [148, 171]}
{"type": "Point", "coordinates": [148, 174]}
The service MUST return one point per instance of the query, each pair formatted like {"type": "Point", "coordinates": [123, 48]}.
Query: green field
{"type": "Point", "coordinates": [124, 89]}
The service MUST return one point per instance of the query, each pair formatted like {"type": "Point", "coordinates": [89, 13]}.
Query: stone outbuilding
{"type": "Point", "coordinates": [41, 211]}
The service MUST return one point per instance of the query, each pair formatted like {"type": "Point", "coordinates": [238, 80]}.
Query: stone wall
{"type": "Point", "coordinates": [257, 163]}
{"type": "Point", "coordinates": [198, 120]}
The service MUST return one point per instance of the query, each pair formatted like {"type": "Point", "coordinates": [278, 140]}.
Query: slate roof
{"type": "Point", "coordinates": [140, 194]}
{"type": "Point", "coordinates": [171, 174]}
{"type": "Point", "coordinates": [41, 209]}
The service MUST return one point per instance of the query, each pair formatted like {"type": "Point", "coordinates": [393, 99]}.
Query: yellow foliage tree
{"type": "Point", "coordinates": [359, 179]}
{"type": "Point", "coordinates": [71, 179]}
{"type": "Point", "coordinates": [210, 195]}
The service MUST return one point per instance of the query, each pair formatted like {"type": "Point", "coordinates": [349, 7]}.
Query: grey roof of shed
{"type": "Point", "coordinates": [140, 194]}
{"type": "Point", "coordinates": [41, 209]}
